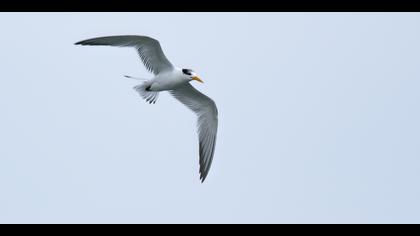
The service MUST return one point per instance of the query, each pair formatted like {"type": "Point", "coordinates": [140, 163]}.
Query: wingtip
{"type": "Point", "coordinates": [83, 42]}
{"type": "Point", "coordinates": [202, 177]}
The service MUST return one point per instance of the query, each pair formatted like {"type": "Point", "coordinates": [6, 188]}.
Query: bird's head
{"type": "Point", "coordinates": [191, 75]}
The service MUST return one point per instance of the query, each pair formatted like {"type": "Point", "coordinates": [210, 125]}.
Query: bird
{"type": "Point", "coordinates": [176, 81]}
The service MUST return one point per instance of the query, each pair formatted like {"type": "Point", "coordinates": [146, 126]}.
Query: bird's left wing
{"type": "Point", "coordinates": [206, 111]}
{"type": "Point", "coordinates": [148, 48]}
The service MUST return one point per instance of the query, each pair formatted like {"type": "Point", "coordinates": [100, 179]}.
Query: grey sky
{"type": "Point", "coordinates": [318, 119]}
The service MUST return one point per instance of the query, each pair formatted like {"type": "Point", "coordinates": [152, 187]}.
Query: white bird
{"type": "Point", "coordinates": [176, 81]}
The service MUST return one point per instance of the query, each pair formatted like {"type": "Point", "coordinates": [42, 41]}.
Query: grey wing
{"type": "Point", "coordinates": [148, 48]}
{"type": "Point", "coordinates": [206, 111]}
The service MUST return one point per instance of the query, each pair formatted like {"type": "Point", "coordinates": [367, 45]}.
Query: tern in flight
{"type": "Point", "coordinates": [176, 81]}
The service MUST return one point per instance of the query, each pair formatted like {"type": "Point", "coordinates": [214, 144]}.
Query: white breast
{"type": "Point", "coordinates": [167, 81]}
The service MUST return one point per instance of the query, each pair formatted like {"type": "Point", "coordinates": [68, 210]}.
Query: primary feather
{"type": "Point", "coordinates": [149, 49]}
{"type": "Point", "coordinates": [207, 114]}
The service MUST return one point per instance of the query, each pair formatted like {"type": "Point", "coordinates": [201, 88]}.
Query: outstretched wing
{"type": "Point", "coordinates": [148, 48]}
{"type": "Point", "coordinates": [206, 111]}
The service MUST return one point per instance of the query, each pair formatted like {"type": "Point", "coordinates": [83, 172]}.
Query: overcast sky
{"type": "Point", "coordinates": [318, 119]}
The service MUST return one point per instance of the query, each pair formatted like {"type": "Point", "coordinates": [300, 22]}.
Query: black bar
{"type": "Point", "coordinates": [209, 6]}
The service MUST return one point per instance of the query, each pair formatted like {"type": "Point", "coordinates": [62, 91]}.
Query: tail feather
{"type": "Point", "coordinates": [146, 94]}
{"type": "Point", "coordinates": [136, 78]}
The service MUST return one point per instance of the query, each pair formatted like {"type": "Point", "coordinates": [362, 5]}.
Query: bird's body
{"type": "Point", "coordinates": [177, 82]}
{"type": "Point", "coordinates": [167, 80]}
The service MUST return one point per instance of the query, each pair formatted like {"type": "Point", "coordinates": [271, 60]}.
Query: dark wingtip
{"type": "Point", "coordinates": [202, 177]}
{"type": "Point", "coordinates": [80, 43]}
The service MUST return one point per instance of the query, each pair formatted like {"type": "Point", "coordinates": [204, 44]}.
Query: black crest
{"type": "Point", "coordinates": [187, 71]}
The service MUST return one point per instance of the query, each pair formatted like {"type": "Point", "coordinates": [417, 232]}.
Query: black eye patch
{"type": "Point", "coordinates": [187, 71]}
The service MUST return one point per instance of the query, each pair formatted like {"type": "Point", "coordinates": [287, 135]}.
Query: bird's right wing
{"type": "Point", "coordinates": [148, 48]}
{"type": "Point", "coordinates": [206, 111]}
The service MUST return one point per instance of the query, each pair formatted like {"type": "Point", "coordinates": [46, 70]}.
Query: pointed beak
{"type": "Point", "coordinates": [197, 79]}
